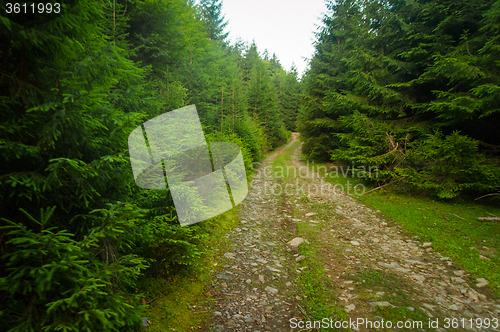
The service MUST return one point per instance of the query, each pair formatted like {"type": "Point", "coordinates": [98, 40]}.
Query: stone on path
{"type": "Point", "coordinates": [473, 296]}
{"type": "Point", "coordinates": [394, 266]}
{"type": "Point", "coordinates": [272, 269]}
{"type": "Point", "coordinates": [310, 214]}
{"type": "Point", "coordinates": [427, 244]}
{"type": "Point", "coordinates": [355, 243]}
{"type": "Point", "coordinates": [477, 308]}
{"type": "Point", "coordinates": [261, 278]}
{"type": "Point", "coordinates": [481, 282]}
{"type": "Point", "coordinates": [229, 255]}
{"type": "Point", "coordinates": [271, 290]}
{"type": "Point", "coordinates": [418, 277]}
{"type": "Point", "coordinates": [301, 257]}
{"type": "Point", "coordinates": [428, 306]}
{"type": "Point", "coordinates": [458, 280]}
{"type": "Point", "coordinates": [296, 242]}
{"type": "Point", "coordinates": [381, 304]}
{"type": "Point", "coordinates": [350, 307]}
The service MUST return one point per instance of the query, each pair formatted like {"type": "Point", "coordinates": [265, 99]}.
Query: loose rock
{"type": "Point", "coordinates": [271, 290]}
{"type": "Point", "coordinates": [296, 242]}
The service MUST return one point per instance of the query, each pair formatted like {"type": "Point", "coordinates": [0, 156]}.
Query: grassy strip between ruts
{"type": "Point", "coordinates": [318, 293]}
{"type": "Point", "coordinates": [379, 285]}
{"type": "Point", "coordinates": [451, 226]}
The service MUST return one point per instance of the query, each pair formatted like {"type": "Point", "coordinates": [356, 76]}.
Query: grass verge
{"type": "Point", "coordinates": [181, 301]}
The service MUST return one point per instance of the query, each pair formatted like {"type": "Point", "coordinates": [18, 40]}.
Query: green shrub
{"type": "Point", "coordinates": [450, 165]}
{"type": "Point", "coordinates": [56, 283]}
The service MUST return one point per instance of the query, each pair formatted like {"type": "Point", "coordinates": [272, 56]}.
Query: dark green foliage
{"type": "Point", "coordinates": [289, 91]}
{"type": "Point", "coordinates": [56, 283]}
{"type": "Point", "coordinates": [213, 19]}
{"type": "Point", "coordinates": [449, 165]}
{"type": "Point", "coordinates": [411, 87]}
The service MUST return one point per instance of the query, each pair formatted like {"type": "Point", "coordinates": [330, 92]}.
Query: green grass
{"type": "Point", "coordinates": [175, 309]}
{"type": "Point", "coordinates": [397, 291]}
{"type": "Point", "coordinates": [284, 159]}
{"type": "Point", "coordinates": [319, 293]}
{"type": "Point", "coordinates": [451, 227]}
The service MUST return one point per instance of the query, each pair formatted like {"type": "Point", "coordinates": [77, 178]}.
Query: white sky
{"type": "Point", "coordinates": [284, 27]}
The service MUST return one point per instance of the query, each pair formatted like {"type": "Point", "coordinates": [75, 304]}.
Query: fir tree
{"type": "Point", "coordinates": [214, 20]}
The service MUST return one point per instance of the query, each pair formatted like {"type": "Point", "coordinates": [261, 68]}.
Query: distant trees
{"type": "Point", "coordinates": [411, 87]}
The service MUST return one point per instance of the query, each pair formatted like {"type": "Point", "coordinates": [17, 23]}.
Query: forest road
{"type": "Point", "coordinates": [365, 267]}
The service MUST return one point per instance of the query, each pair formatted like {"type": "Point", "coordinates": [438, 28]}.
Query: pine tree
{"type": "Point", "coordinates": [65, 119]}
{"type": "Point", "coordinates": [214, 20]}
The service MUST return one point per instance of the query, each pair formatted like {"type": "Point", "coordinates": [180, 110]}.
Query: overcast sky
{"type": "Point", "coordinates": [284, 27]}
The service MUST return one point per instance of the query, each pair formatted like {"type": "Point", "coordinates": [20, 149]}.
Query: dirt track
{"type": "Point", "coordinates": [259, 282]}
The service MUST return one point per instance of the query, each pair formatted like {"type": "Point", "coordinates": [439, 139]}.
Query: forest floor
{"type": "Point", "coordinates": [355, 269]}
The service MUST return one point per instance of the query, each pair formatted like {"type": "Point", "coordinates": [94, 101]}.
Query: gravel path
{"type": "Point", "coordinates": [258, 280]}
{"type": "Point", "coordinates": [255, 284]}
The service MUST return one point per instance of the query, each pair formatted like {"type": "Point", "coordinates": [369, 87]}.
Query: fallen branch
{"type": "Point", "coordinates": [369, 191]}
{"type": "Point", "coordinates": [156, 297]}
{"type": "Point", "coordinates": [488, 219]}
{"type": "Point", "coordinates": [494, 194]}
{"type": "Point", "coordinates": [467, 44]}
{"type": "Point", "coordinates": [305, 313]}
{"type": "Point", "coordinates": [457, 216]}
{"type": "Point", "coordinates": [385, 154]}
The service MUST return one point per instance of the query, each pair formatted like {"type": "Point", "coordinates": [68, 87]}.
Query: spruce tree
{"type": "Point", "coordinates": [214, 20]}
